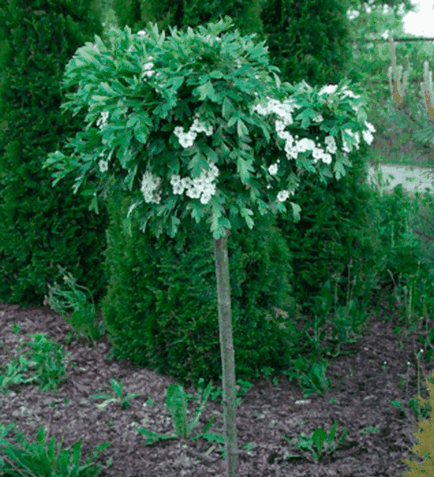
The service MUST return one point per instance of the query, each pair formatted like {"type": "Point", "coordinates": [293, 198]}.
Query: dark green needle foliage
{"type": "Point", "coordinates": [42, 226]}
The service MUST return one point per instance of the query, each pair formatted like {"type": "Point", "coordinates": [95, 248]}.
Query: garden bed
{"type": "Point", "coordinates": [364, 381]}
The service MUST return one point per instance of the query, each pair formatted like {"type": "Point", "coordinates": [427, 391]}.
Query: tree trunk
{"type": "Point", "coordinates": [227, 352]}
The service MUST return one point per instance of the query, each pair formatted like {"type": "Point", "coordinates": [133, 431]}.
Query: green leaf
{"type": "Point", "coordinates": [242, 129]}
{"type": "Point", "coordinates": [89, 58]}
{"type": "Point", "coordinates": [107, 89]}
{"type": "Point", "coordinates": [97, 98]}
{"type": "Point", "coordinates": [94, 204]}
{"type": "Point", "coordinates": [296, 211]}
{"type": "Point", "coordinates": [204, 431]}
{"type": "Point", "coordinates": [132, 120]}
{"type": "Point", "coordinates": [129, 180]}
{"type": "Point", "coordinates": [243, 85]}
{"type": "Point", "coordinates": [233, 120]}
{"type": "Point", "coordinates": [307, 114]}
{"type": "Point", "coordinates": [216, 74]}
{"type": "Point", "coordinates": [244, 167]}
{"type": "Point", "coordinates": [197, 164]}
{"type": "Point", "coordinates": [362, 115]}
{"type": "Point", "coordinates": [425, 134]}
{"type": "Point", "coordinates": [173, 228]}
{"type": "Point", "coordinates": [117, 387]}
{"type": "Point", "coordinates": [227, 108]}
{"type": "Point", "coordinates": [101, 396]}
{"type": "Point", "coordinates": [339, 169]}
{"type": "Point", "coordinates": [176, 402]}
{"type": "Point", "coordinates": [210, 154]}
{"type": "Point", "coordinates": [318, 437]}
{"type": "Point", "coordinates": [154, 437]}
{"type": "Point", "coordinates": [194, 421]}
{"type": "Point", "coordinates": [332, 434]}
{"type": "Point", "coordinates": [218, 226]}
{"type": "Point", "coordinates": [277, 80]}
{"type": "Point", "coordinates": [168, 127]}
{"type": "Point", "coordinates": [175, 82]}
{"type": "Point", "coordinates": [196, 212]}
{"type": "Point", "coordinates": [141, 133]}
{"type": "Point", "coordinates": [75, 63]}
{"type": "Point", "coordinates": [130, 396]}
{"type": "Point", "coordinates": [207, 91]}
{"type": "Point", "coordinates": [119, 88]}
{"type": "Point", "coordinates": [246, 213]}
{"type": "Point", "coordinates": [353, 125]}
{"type": "Point", "coordinates": [123, 153]}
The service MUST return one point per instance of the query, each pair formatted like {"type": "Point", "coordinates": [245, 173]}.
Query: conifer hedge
{"type": "Point", "coordinates": [42, 226]}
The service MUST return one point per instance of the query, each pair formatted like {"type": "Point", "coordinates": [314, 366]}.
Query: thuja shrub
{"type": "Point", "coordinates": [308, 40]}
{"type": "Point", "coordinates": [161, 305]}
{"type": "Point", "coordinates": [333, 230]}
{"type": "Point", "coordinates": [41, 226]}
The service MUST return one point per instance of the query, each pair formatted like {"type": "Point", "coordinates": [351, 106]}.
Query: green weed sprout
{"type": "Point", "coordinates": [84, 315]}
{"type": "Point", "coordinates": [14, 375]}
{"type": "Point", "coordinates": [176, 402]}
{"type": "Point", "coordinates": [311, 381]}
{"type": "Point", "coordinates": [39, 459]}
{"type": "Point", "coordinates": [117, 387]}
{"type": "Point", "coordinates": [319, 442]}
{"type": "Point", "coordinates": [45, 359]}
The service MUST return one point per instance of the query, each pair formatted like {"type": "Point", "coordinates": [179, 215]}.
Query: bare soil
{"type": "Point", "coordinates": [364, 380]}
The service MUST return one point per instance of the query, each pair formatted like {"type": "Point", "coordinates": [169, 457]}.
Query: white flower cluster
{"type": "Point", "coordinates": [187, 139]}
{"type": "Point", "coordinates": [147, 72]}
{"type": "Point", "coordinates": [292, 150]}
{"type": "Point", "coordinates": [103, 165]}
{"type": "Point", "coordinates": [209, 37]}
{"type": "Point", "coordinates": [367, 135]}
{"type": "Point", "coordinates": [201, 187]}
{"type": "Point", "coordinates": [284, 110]}
{"type": "Point", "coordinates": [147, 68]}
{"type": "Point", "coordinates": [102, 121]}
{"type": "Point", "coordinates": [330, 89]}
{"type": "Point", "coordinates": [149, 188]}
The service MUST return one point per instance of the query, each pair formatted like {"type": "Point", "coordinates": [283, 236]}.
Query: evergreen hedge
{"type": "Point", "coordinates": [42, 226]}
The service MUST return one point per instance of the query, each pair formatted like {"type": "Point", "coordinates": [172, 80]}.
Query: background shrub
{"type": "Point", "coordinates": [332, 230]}
{"type": "Point", "coordinates": [42, 226]}
{"type": "Point", "coordinates": [161, 305]}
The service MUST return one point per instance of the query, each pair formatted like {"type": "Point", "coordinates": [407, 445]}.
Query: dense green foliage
{"type": "Point", "coordinates": [41, 226]}
{"type": "Point", "coordinates": [307, 40]}
{"type": "Point", "coordinates": [334, 220]}
{"type": "Point", "coordinates": [161, 306]}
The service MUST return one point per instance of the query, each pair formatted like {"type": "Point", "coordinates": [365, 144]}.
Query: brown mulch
{"type": "Point", "coordinates": [362, 385]}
